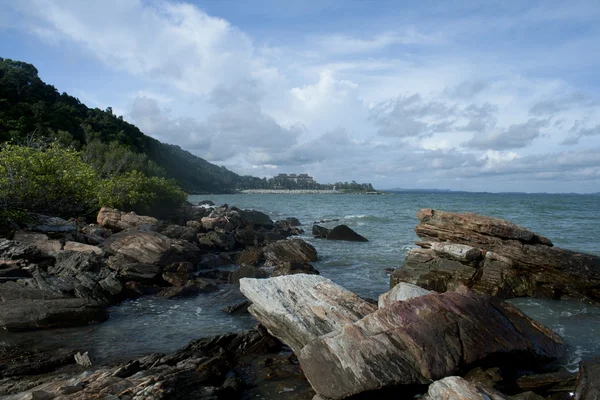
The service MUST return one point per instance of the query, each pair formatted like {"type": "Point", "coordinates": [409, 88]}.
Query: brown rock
{"type": "Point", "coordinates": [250, 256]}
{"type": "Point", "coordinates": [292, 250]}
{"type": "Point", "coordinates": [424, 339]}
{"type": "Point", "coordinates": [291, 268]}
{"type": "Point", "coordinates": [119, 221]}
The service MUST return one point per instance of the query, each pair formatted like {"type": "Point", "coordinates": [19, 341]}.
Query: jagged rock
{"type": "Point", "coordinates": [95, 234]}
{"type": "Point", "coordinates": [299, 308]}
{"type": "Point", "coordinates": [84, 359]}
{"type": "Point", "coordinates": [400, 292]}
{"type": "Point", "coordinates": [12, 269]}
{"type": "Point", "coordinates": [190, 289]}
{"type": "Point", "coordinates": [489, 377]}
{"type": "Point", "coordinates": [41, 241]}
{"type": "Point", "coordinates": [561, 381]}
{"type": "Point", "coordinates": [143, 273]}
{"type": "Point", "coordinates": [320, 232]}
{"type": "Point", "coordinates": [587, 386]}
{"type": "Point", "coordinates": [150, 248]}
{"type": "Point", "coordinates": [291, 268]}
{"type": "Point", "coordinates": [294, 250]}
{"type": "Point", "coordinates": [180, 232]}
{"type": "Point", "coordinates": [496, 257]}
{"type": "Point", "coordinates": [457, 388]}
{"type": "Point", "coordinates": [424, 339]}
{"type": "Point", "coordinates": [15, 250]}
{"type": "Point", "coordinates": [249, 237]}
{"type": "Point", "coordinates": [119, 221]}
{"type": "Point", "coordinates": [208, 261]}
{"type": "Point", "coordinates": [288, 227]}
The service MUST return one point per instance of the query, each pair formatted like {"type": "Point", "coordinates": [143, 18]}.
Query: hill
{"type": "Point", "coordinates": [30, 108]}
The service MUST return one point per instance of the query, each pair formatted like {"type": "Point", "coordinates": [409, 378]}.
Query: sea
{"type": "Point", "coordinates": [151, 324]}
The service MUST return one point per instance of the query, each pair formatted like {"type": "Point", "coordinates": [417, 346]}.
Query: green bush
{"type": "Point", "coordinates": [133, 191]}
{"type": "Point", "coordinates": [51, 180]}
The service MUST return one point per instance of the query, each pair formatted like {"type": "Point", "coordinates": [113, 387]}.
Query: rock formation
{"type": "Point", "coordinates": [497, 257]}
{"type": "Point", "coordinates": [340, 232]}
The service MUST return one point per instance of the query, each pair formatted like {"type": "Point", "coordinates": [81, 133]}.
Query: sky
{"type": "Point", "coordinates": [464, 95]}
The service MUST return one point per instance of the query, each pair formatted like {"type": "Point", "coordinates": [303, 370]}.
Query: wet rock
{"type": "Point", "coordinates": [424, 339]}
{"type": "Point", "coordinates": [401, 292]}
{"type": "Point", "coordinates": [291, 268]}
{"type": "Point", "coordinates": [150, 248]}
{"type": "Point", "coordinates": [299, 308]}
{"type": "Point", "coordinates": [143, 273]}
{"type": "Point", "coordinates": [457, 388]}
{"type": "Point", "coordinates": [495, 257]}
{"type": "Point", "coordinates": [588, 380]}
{"type": "Point", "coordinates": [119, 221]}
{"type": "Point", "coordinates": [288, 227]}
{"type": "Point", "coordinates": [291, 250]}
{"type": "Point", "coordinates": [256, 218]}
{"type": "Point", "coordinates": [237, 308]}
{"type": "Point", "coordinates": [320, 232]}
{"type": "Point", "coordinates": [190, 289]}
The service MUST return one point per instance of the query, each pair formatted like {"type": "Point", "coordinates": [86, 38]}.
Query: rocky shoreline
{"type": "Point", "coordinates": [442, 331]}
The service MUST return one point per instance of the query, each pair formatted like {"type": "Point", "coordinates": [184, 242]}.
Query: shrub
{"type": "Point", "coordinates": [51, 180]}
{"type": "Point", "coordinates": [133, 191]}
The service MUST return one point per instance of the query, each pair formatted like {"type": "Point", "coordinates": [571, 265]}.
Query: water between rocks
{"type": "Point", "coordinates": [152, 324]}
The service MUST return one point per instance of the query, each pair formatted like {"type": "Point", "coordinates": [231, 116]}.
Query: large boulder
{"type": "Point", "coordinates": [15, 250]}
{"type": "Point", "coordinates": [293, 250]}
{"type": "Point", "coordinates": [47, 246]}
{"type": "Point", "coordinates": [496, 257]}
{"type": "Point", "coordinates": [48, 224]}
{"type": "Point", "coordinates": [340, 232]}
{"type": "Point", "coordinates": [297, 309]}
{"type": "Point", "coordinates": [424, 339]}
{"type": "Point", "coordinates": [119, 221]}
{"type": "Point", "coordinates": [146, 247]}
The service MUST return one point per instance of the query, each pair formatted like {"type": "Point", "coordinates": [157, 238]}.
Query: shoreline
{"type": "Point", "coordinates": [300, 191]}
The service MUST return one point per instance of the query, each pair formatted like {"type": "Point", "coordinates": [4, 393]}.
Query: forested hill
{"type": "Point", "coordinates": [30, 109]}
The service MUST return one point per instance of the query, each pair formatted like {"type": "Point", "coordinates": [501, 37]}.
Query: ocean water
{"type": "Point", "coordinates": [157, 325]}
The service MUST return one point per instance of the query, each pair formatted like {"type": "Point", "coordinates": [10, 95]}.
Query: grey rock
{"type": "Point", "coordinates": [457, 388]}
{"type": "Point", "coordinates": [297, 309]}
{"type": "Point", "coordinates": [401, 292]}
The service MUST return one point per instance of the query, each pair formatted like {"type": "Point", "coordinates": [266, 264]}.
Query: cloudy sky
{"type": "Point", "coordinates": [464, 95]}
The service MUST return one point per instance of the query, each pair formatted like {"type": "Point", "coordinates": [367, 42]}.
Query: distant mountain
{"type": "Point", "coordinates": [31, 108]}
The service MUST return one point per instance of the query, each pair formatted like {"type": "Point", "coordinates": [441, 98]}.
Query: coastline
{"type": "Point", "coordinates": [301, 191]}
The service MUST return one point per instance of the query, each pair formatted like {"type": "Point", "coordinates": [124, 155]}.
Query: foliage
{"type": "Point", "coordinates": [133, 191]}
{"type": "Point", "coordinates": [51, 180]}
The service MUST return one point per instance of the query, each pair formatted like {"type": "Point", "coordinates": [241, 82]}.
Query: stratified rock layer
{"type": "Point", "coordinates": [497, 257]}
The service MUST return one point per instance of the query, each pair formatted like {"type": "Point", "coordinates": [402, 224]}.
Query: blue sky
{"type": "Point", "coordinates": [464, 95]}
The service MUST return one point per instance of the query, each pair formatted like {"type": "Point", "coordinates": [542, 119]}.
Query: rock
{"type": "Point", "coordinates": [41, 241]}
{"type": "Point", "coordinates": [587, 386]}
{"type": "Point", "coordinates": [12, 269]}
{"type": "Point", "coordinates": [178, 274]}
{"type": "Point", "coordinates": [206, 203]}
{"type": "Point", "coordinates": [47, 224]}
{"type": "Point", "coordinates": [424, 339]}
{"type": "Point", "coordinates": [84, 359]}
{"type": "Point", "coordinates": [18, 315]}
{"type": "Point", "coordinates": [82, 248]}
{"type": "Point", "coordinates": [401, 292]}
{"type": "Point", "coordinates": [457, 388]}
{"type": "Point", "coordinates": [15, 250]}
{"type": "Point", "coordinates": [216, 240]}
{"type": "Point", "coordinates": [246, 271]}
{"type": "Point", "coordinates": [237, 308]}
{"type": "Point", "coordinates": [190, 289]}
{"type": "Point", "coordinates": [95, 234]}
{"type": "Point", "coordinates": [150, 248]}
{"type": "Point", "coordinates": [495, 257]}
{"type": "Point", "coordinates": [119, 221]}
{"type": "Point", "coordinates": [291, 268]}
{"type": "Point", "coordinates": [488, 377]}
{"type": "Point", "coordinates": [299, 308]}
{"type": "Point", "coordinates": [340, 232]}
{"type": "Point", "coordinates": [143, 273]}
{"type": "Point", "coordinates": [209, 261]}
{"type": "Point", "coordinates": [288, 227]}
{"type": "Point", "coordinates": [19, 360]}
{"type": "Point", "coordinates": [250, 256]}
{"type": "Point", "coordinates": [256, 218]}
{"type": "Point", "coordinates": [180, 232]}
{"type": "Point", "coordinates": [561, 381]}
{"type": "Point", "coordinates": [294, 250]}
{"type": "Point", "coordinates": [320, 231]}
